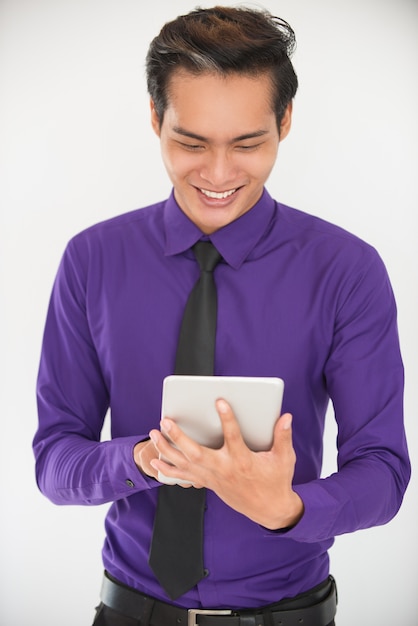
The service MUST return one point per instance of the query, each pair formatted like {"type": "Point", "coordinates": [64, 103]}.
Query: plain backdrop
{"type": "Point", "coordinates": [76, 147]}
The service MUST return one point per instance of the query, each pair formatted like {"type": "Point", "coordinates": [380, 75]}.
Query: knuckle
{"type": "Point", "coordinates": [244, 465]}
{"type": "Point", "coordinates": [195, 455]}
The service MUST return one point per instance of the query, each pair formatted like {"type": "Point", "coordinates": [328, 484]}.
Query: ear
{"type": "Point", "coordinates": [286, 122]}
{"type": "Point", "coordinates": [155, 120]}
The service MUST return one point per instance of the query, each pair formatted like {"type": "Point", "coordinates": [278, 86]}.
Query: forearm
{"type": "Point", "coordinates": [367, 492]}
{"type": "Point", "coordinates": [73, 470]}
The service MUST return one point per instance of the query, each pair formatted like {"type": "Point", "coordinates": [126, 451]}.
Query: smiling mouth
{"type": "Point", "coordinates": [217, 195]}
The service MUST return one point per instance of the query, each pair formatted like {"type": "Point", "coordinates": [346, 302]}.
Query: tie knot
{"type": "Point", "coordinates": [207, 255]}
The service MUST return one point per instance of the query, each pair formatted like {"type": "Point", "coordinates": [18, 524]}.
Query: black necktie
{"type": "Point", "coordinates": [176, 554]}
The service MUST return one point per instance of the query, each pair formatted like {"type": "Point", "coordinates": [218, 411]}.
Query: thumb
{"type": "Point", "coordinates": [285, 421]}
{"type": "Point", "coordinates": [283, 430]}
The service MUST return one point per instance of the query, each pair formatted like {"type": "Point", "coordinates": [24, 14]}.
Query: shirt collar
{"type": "Point", "coordinates": [235, 241]}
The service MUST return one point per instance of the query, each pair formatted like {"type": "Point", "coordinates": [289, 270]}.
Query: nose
{"type": "Point", "coordinates": [219, 169]}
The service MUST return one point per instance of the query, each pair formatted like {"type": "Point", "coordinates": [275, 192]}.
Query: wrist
{"type": "Point", "coordinates": [292, 515]}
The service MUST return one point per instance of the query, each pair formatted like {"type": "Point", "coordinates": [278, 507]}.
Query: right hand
{"type": "Point", "coordinates": [144, 453]}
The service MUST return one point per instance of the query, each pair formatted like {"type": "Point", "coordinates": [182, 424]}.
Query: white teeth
{"type": "Point", "coordinates": [218, 196]}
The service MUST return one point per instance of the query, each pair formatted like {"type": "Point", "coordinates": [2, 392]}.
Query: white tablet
{"type": "Point", "coordinates": [190, 402]}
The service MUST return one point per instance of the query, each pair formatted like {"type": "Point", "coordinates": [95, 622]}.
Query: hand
{"type": "Point", "coordinates": [144, 453]}
{"type": "Point", "coordinates": [256, 484]}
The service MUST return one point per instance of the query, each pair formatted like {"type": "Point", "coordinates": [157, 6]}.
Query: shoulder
{"type": "Point", "coordinates": [128, 237]}
{"type": "Point", "coordinates": [139, 219]}
{"type": "Point", "coordinates": [314, 235]}
{"type": "Point", "coordinates": [131, 229]}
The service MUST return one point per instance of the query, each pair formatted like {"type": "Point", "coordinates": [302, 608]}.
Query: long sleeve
{"type": "Point", "coordinates": [73, 466]}
{"type": "Point", "coordinates": [364, 377]}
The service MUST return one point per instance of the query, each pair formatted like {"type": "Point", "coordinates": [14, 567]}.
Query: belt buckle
{"type": "Point", "coordinates": [193, 613]}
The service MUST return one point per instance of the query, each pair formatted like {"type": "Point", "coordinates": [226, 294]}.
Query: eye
{"type": "Point", "coordinates": [248, 148]}
{"type": "Point", "coordinates": [191, 147]}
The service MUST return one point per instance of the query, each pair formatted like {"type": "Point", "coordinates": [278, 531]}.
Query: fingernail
{"type": "Point", "coordinates": [165, 425]}
{"type": "Point", "coordinates": [153, 437]}
{"type": "Point", "coordinates": [222, 406]}
{"type": "Point", "coordinates": [287, 422]}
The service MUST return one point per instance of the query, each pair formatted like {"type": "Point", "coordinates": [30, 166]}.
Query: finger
{"type": "Point", "coordinates": [166, 449]}
{"type": "Point", "coordinates": [283, 434]}
{"type": "Point", "coordinates": [181, 477]}
{"type": "Point", "coordinates": [144, 453]}
{"type": "Point", "coordinates": [189, 448]}
{"type": "Point", "coordinates": [285, 422]}
{"type": "Point", "coordinates": [230, 427]}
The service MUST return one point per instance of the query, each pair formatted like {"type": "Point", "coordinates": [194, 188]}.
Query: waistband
{"type": "Point", "coordinates": [316, 607]}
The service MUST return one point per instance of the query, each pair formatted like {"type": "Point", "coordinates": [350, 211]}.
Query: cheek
{"type": "Point", "coordinates": [267, 163]}
{"type": "Point", "coordinates": [257, 169]}
{"type": "Point", "coordinates": [177, 164]}
{"type": "Point", "coordinates": [258, 164]}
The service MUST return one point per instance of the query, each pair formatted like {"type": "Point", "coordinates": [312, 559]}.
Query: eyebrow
{"type": "Point", "coordinates": [186, 133]}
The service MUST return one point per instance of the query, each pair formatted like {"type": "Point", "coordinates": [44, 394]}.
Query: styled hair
{"type": "Point", "coordinates": [224, 40]}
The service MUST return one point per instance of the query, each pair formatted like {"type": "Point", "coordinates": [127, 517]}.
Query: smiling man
{"type": "Point", "coordinates": [297, 298]}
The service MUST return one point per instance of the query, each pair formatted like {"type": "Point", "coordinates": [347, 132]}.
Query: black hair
{"type": "Point", "coordinates": [224, 40]}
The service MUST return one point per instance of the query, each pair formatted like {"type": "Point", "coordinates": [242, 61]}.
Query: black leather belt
{"type": "Point", "coordinates": [152, 612]}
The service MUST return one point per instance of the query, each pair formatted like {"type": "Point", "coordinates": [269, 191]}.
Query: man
{"type": "Point", "coordinates": [298, 298]}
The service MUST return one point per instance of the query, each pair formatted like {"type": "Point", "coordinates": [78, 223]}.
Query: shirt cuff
{"type": "Point", "coordinates": [125, 476]}
{"type": "Point", "coordinates": [321, 510]}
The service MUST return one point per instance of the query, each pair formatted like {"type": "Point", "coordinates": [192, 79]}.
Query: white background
{"type": "Point", "coordinates": [76, 147]}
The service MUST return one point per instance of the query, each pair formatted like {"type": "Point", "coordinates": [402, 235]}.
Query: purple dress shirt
{"type": "Point", "coordinates": [298, 298]}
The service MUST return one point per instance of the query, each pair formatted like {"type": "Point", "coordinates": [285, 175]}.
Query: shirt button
{"type": "Point", "coordinates": [205, 573]}
{"type": "Point", "coordinates": [129, 482]}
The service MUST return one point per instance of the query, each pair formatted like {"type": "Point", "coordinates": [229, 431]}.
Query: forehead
{"type": "Point", "coordinates": [210, 103]}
